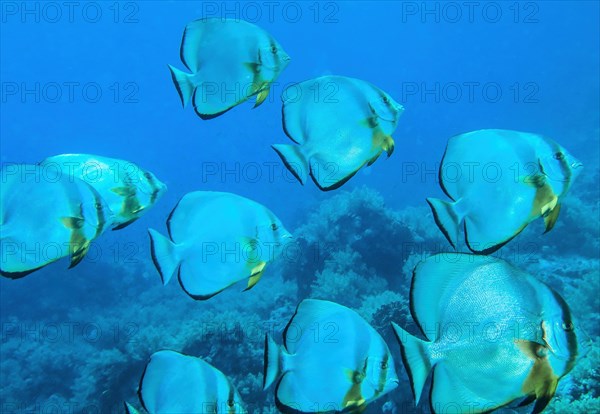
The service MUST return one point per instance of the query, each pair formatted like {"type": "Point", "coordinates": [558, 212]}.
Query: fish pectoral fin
{"type": "Point", "coordinates": [72, 223]}
{"type": "Point", "coordinates": [359, 404]}
{"type": "Point", "coordinates": [534, 180]}
{"type": "Point", "coordinates": [260, 98]}
{"type": "Point", "coordinates": [123, 191]}
{"type": "Point", "coordinates": [256, 274]}
{"type": "Point", "coordinates": [252, 66]}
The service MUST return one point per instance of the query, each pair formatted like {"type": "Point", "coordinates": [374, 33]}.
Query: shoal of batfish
{"type": "Point", "coordinates": [338, 126]}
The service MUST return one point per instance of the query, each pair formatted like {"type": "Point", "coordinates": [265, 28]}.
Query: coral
{"type": "Point", "coordinates": [351, 249]}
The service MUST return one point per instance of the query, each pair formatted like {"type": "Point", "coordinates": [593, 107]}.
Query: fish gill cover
{"type": "Point", "coordinates": [92, 78]}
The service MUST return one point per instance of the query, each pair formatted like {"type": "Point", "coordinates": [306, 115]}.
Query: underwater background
{"type": "Point", "coordinates": [92, 77]}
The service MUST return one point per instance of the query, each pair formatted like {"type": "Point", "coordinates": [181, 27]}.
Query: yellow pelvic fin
{"type": "Point", "coordinates": [131, 205]}
{"type": "Point", "coordinates": [255, 274]}
{"type": "Point", "coordinates": [545, 200]}
{"type": "Point", "coordinates": [354, 397]}
{"type": "Point", "coordinates": [547, 208]}
{"type": "Point", "coordinates": [78, 247]}
{"type": "Point", "coordinates": [388, 145]}
{"type": "Point", "coordinates": [262, 95]}
{"type": "Point", "coordinates": [541, 381]}
{"type": "Point", "coordinates": [550, 219]}
{"type": "Point", "coordinates": [78, 252]}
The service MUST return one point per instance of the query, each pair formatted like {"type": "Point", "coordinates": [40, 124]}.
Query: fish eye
{"type": "Point", "coordinates": [273, 49]}
{"type": "Point", "coordinates": [230, 403]}
{"type": "Point", "coordinates": [147, 175]}
{"type": "Point", "coordinates": [386, 100]}
{"type": "Point", "coordinates": [568, 326]}
{"type": "Point", "coordinates": [274, 227]}
{"type": "Point", "coordinates": [559, 156]}
{"type": "Point", "coordinates": [384, 365]}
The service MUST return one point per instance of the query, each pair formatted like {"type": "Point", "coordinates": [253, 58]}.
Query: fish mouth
{"type": "Point", "coordinates": [576, 164]}
{"type": "Point", "coordinates": [398, 110]}
{"type": "Point", "coordinates": [394, 119]}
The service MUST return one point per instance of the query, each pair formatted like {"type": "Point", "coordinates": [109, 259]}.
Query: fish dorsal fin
{"type": "Point", "coordinates": [434, 279]}
{"type": "Point", "coordinates": [191, 43]}
{"type": "Point", "coordinates": [309, 312]}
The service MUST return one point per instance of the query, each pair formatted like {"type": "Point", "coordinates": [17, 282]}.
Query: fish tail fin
{"type": "Point", "coordinates": [447, 217]}
{"type": "Point", "coordinates": [183, 83]}
{"type": "Point", "coordinates": [294, 159]}
{"type": "Point", "coordinates": [164, 255]}
{"type": "Point", "coordinates": [274, 358]}
{"type": "Point", "coordinates": [416, 358]}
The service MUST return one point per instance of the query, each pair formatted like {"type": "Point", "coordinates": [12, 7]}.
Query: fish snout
{"type": "Point", "coordinates": [576, 164]}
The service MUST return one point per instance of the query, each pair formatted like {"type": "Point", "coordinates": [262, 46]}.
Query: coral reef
{"type": "Point", "coordinates": [351, 249]}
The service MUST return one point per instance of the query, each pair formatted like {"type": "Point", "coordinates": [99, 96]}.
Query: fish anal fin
{"type": "Point", "coordinates": [527, 400]}
{"type": "Point", "coordinates": [372, 160]}
{"type": "Point", "coordinates": [544, 394]}
{"type": "Point", "coordinates": [255, 275]}
{"type": "Point", "coordinates": [125, 224]}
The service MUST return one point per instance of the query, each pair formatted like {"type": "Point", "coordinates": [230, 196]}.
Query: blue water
{"type": "Point", "coordinates": [92, 77]}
